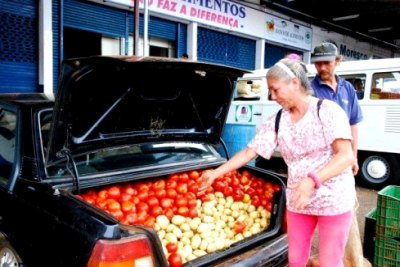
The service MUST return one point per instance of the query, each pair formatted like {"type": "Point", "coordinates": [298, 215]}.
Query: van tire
{"type": "Point", "coordinates": [8, 256]}
{"type": "Point", "coordinates": [377, 170]}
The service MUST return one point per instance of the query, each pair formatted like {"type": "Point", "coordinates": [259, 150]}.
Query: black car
{"type": "Point", "coordinates": [116, 121]}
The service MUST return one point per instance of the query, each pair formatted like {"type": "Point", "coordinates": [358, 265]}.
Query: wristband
{"type": "Point", "coordinates": [315, 179]}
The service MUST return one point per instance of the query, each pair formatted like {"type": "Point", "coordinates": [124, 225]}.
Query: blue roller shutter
{"type": "Point", "coordinates": [19, 46]}
{"type": "Point", "coordinates": [274, 53]}
{"type": "Point", "coordinates": [217, 47]}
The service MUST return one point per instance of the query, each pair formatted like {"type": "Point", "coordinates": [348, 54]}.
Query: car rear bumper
{"type": "Point", "coordinates": [273, 253]}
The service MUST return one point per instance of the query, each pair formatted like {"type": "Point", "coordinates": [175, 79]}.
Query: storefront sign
{"type": "Point", "coordinates": [231, 16]}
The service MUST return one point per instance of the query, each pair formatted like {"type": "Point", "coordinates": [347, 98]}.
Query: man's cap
{"type": "Point", "coordinates": [324, 52]}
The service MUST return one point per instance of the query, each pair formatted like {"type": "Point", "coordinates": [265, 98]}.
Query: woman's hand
{"type": "Point", "coordinates": [206, 179]}
{"type": "Point", "coordinates": [302, 192]}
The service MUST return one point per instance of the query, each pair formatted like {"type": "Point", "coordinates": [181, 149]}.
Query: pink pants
{"type": "Point", "coordinates": [333, 234]}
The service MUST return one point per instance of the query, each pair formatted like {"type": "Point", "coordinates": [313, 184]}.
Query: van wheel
{"type": "Point", "coordinates": [378, 170]}
{"type": "Point", "coordinates": [8, 256]}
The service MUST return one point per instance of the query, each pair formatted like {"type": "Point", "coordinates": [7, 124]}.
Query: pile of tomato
{"type": "Point", "coordinates": [141, 202]}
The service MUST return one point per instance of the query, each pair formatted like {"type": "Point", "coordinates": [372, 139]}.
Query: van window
{"type": "Point", "coordinates": [7, 143]}
{"type": "Point", "coordinates": [248, 90]}
{"type": "Point", "coordinates": [386, 85]}
{"type": "Point", "coordinates": [358, 82]}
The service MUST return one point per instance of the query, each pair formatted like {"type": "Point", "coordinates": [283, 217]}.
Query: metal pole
{"type": "Point", "coordinates": [136, 29]}
{"type": "Point", "coordinates": [146, 29]}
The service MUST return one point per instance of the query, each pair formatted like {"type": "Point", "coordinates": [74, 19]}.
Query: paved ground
{"type": "Point", "coordinates": [367, 199]}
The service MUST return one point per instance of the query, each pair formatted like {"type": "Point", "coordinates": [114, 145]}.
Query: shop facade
{"type": "Point", "coordinates": [36, 36]}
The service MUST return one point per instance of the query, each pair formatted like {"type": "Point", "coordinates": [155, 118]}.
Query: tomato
{"type": "Point", "coordinates": [246, 173]}
{"type": "Point", "coordinates": [141, 216]}
{"type": "Point", "coordinates": [159, 184]}
{"type": "Point", "coordinates": [113, 205]}
{"type": "Point", "coordinates": [276, 188]}
{"type": "Point", "coordinates": [173, 177]}
{"type": "Point", "coordinates": [183, 178]}
{"type": "Point", "coordinates": [235, 182]}
{"type": "Point", "coordinates": [125, 197]}
{"type": "Point", "coordinates": [166, 202]}
{"type": "Point", "coordinates": [160, 193]}
{"type": "Point", "coordinates": [171, 184]}
{"type": "Point", "coordinates": [184, 211]}
{"type": "Point", "coordinates": [244, 180]}
{"type": "Point", "coordinates": [255, 201]}
{"type": "Point", "coordinates": [268, 207]}
{"type": "Point", "coordinates": [150, 221]}
{"type": "Point", "coordinates": [114, 192]}
{"type": "Point", "coordinates": [238, 227]}
{"type": "Point", "coordinates": [131, 218]}
{"type": "Point", "coordinates": [89, 199]}
{"type": "Point", "coordinates": [127, 206]}
{"type": "Point", "coordinates": [128, 189]}
{"type": "Point", "coordinates": [142, 206]}
{"type": "Point", "coordinates": [169, 213]}
{"type": "Point", "coordinates": [135, 200]}
{"type": "Point", "coordinates": [143, 195]}
{"type": "Point", "coordinates": [228, 191]}
{"type": "Point", "coordinates": [219, 186]}
{"type": "Point", "coordinates": [251, 191]}
{"type": "Point", "coordinates": [155, 211]}
{"type": "Point", "coordinates": [101, 203]}
{"type": "Point", "coordinates": [237, 194]}
{"type": "Point", "coordinates": [193, 187]}
{"type": "Point", "coordinates": [191, 202]}
{"type": "Point", "coordinates": [193, 212]}
{"type": "Point", "coordinates": [175, 260]}
{"type": "Point", "coordinates": [171, 193]}
{"type": "Point", "coordinates": [171, 247]}
{"type": "Point", "coordinates": [117, 214]}
{"type": "Point", "coordinates": [103, 194]}
{"type": "Point", "coordinates": [194, 175]}
{"type": "Point", "coordinates": [190, 195]}
{"type": "Point", "coordinates": [152, 201]}
{"type": "Point", "coordinates": [181, 202]}
{"type": "Point", "coordinates": [182, 188]}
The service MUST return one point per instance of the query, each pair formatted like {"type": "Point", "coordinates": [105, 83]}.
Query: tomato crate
{"type": "Point", "coordinates": [387, 252]}
{"type": "Point", "coordinates": [369, 235]}
{"type": "Point", "coordinates": [388, 212]}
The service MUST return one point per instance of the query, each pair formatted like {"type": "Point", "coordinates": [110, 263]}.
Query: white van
{"type": "Point", "coordinates": [379, 98]}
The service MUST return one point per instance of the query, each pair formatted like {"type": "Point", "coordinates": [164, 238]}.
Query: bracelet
{"type": "Point", "coordinates": [315, 179]}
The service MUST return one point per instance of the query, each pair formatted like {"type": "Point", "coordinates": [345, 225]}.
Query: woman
{"type": "Point", "coordinates": [315, 143]}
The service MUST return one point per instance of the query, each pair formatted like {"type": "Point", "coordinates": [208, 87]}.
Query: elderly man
{"type": "Point", "coordinates": [328, 85]}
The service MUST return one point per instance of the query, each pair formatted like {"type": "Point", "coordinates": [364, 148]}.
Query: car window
{"type": "Point", "coordinates": [386, 85]}
{"type": "Point", "coordinates": [7, 143]}
{"type": "Point", "coordinates": [358, 82]}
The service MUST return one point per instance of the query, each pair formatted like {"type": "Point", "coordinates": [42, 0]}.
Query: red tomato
{"type": "Point", "coordinates": [141, 216]}
{"type": "Point", "coordinates": [175, 260]}
{"type": "Point", "coordinates": [171, 247]}
{"type": "Point", "coordinates": [142, 206]}
{"type": "Point", "coordinates": [135, 200]}
{"type": "Point", "coordinates": [127, 206]}
{"type": "Point", "coordinates": [159, 184]}
{"type": "Point", "coordinates": [171, 184]}
{"type": "Point", "coordinates": [268, 207]}
{"type": "Point", "coordinates": [276, 188]}
{"type": "Point", "coordinates": [143, 195]}
{"type": "Point", "coordinates": [244, 180]}
{"type": "Point", "coordinates": [193, 187]}
{"type": "Point", "coordinates": [171, 193]}
{"type": "Point", "coordinates": [155, 211]}
{"type": "Point", "coordinates": [194, 175]}
{"type": "Point", "coordinates": [131, 218]}
{"type": "Point", "coordinates": [113, 205]}
{"type": "Point", "coordinates": [128, 189]}
{"type": "Point", "coordinates": [191, 202]}
{"type": "Point", "coordinates": [251, 191]}
{"type": "Point", "coordinates": [228, 191]}
{"type": "Point", "coordinates": [152, 201]}
{"type": "Point", "coordinates": [173, 177]}
{"type": "Point", "coordinates": [182, 188]}
{"type": "Point", "coordinates": [166, 202]}
{"type": "Point", "coordinates": [193, 213]}
{"type": "Point", "coordinates": [184, 211]}
{"type": "Point", "coordinates": [190, 195]}
{"type": "Point", "coordinates": [181, 202]}
{"type": "Point", "coordinates": [160, 193]}
{"type": "Point", "coordinates": [117, 214]}
{"type": "Point", "coordinates": [114, 192]}
{"type": "Point", "coordinates": [103, 194]}
{"type": "Point", "coordinates": [125, 197]}
{"type": "Point", "coordinates": [238, 227]}
{"type": "Point", "coordinates": [237, 194]}
{"type": "Point", "coordinates": [150, 221]}
{"type": "Point", "coordinates": [183, 178]}
{"type": "Point", "coordinates": [89, 199]}
{"type": "Point", "coordinates": [169, 213]}
{"type": "Point", "coordinates": [101, 203]}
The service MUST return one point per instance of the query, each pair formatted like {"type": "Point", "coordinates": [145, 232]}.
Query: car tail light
{"type": "Point", "coordinates": [133, 252]}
